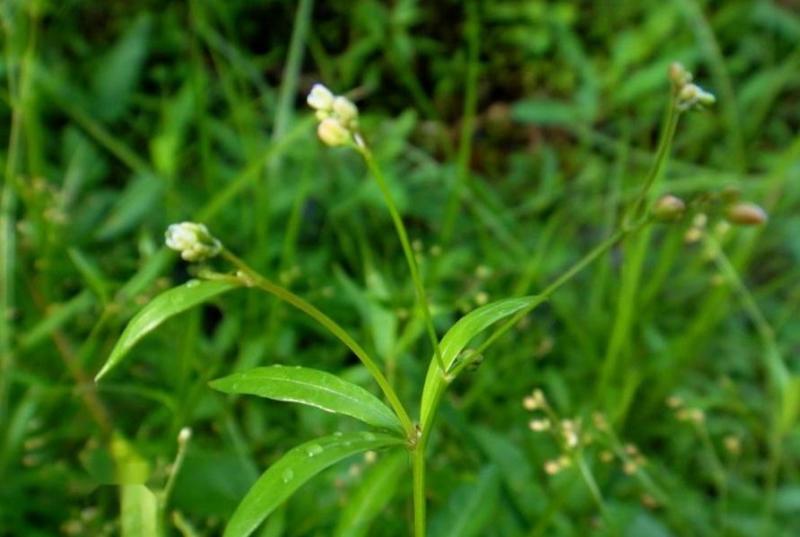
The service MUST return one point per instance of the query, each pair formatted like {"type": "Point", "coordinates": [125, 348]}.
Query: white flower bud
{"type": "Point", "coordinates": [192, 240]}
{"type": "Point", "coordinates": [346, 112]}
{"type": "Point", "coordinates": [692, 95]}
{"type": "Point", "coordinates": [184, 435]}
{"type": "Point", "coordinates": [333, 133]}
{"type": "Point", "coordinates": [320, 98]}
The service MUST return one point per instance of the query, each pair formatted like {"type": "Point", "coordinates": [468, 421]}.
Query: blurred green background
{"type": "Point", "coordinates": [512, 133]}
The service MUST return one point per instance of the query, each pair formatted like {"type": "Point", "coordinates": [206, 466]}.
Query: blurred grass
{"type": "Point", "coordinates": [512, 133]}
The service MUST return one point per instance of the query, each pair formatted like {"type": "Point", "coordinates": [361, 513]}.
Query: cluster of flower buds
{"type": "Point", "coordinates": [193, 241]}
{"type": "Point", "coordinates": [689, 95]}
{"type": "Point", "coordinates": [337, 115]}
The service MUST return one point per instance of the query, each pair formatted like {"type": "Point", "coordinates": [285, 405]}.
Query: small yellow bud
{"type": "Point", "coordinates": [333, 133]}
{"type": "Point", "coordinates": [733, 444]}
{"type": "Point", "coordinates": [678, 74]}
{"type": "Point", "coordinates": [746, 214]}
{"type": "Point", "coordinates": [529, 403]}
{"type": "Point", "coordinates": [552, 467]}
{"type": "Point", "coordinates": [346, 112]}
{"type": "Point", "coordinates": [669, 207]}
{"type": "Point", "coordinates": [539, 426]}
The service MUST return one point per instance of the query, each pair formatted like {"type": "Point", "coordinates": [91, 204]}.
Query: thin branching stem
{"type": "Point", "coordinates": [251, 277]}
{"type": "Point", "coordinates": [422, 297]}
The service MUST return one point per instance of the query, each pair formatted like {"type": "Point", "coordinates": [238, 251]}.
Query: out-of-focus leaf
{"type": "Point", "coordinates": [546, 112]}
{"type": "Point", "coordinates": [118, 72]}
{"type": "Point", "coordinates": [514, 469]}
{"type": "Point", "coordinates": [791, 404]}
{"type": "Point", "coordinates": [372, 496]}
{"type": "Point", "coordinates": [58, 317]}
{"type": "Point", "coordinates": [161, 308]}
{"type": "Point", "coordinates": [382, 322]}
{"type": "Point", "coordinates": [469, 508]}
{"type": "Point", "coordinates": [165, 146]}
{"type": "Point", "coordinates": [312, 387]}
{"type": "Point", "coordinates": [292, 470]}
{"type": "Point", "coordinates": [138, 512]}
{"type": "Point", "coordinates": [135, 203]}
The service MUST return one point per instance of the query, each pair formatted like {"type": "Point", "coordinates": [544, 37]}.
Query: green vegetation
{"type": "Point", "coordinates": [542, 283]}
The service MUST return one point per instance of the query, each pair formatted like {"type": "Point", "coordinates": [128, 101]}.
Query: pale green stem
{"type": "Point", "coordinates": [174, 471]}
{"type": "Point", "coordinates": [254, 278]}
{"type": "Point", "coordinates": [422, 298]}
{"type": "Point", "coordinates": [664, 145]}
{"type": "Point", "coordinates": [418, 463]}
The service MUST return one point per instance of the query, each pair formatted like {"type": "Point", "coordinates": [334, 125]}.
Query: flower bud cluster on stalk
{"type": "Point", "coordinates": [337, 115]}
{"type": "Point", "coordinates": [193, 241]}
{"type": "Point", "coordinates": [689, 95]}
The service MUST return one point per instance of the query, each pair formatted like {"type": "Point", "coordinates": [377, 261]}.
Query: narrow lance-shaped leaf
{"type": "Point", "coordinates": [166, 305]}
{"type": "Point", "coordinates": [311, 387]}
{"type": "Point", "coordinates": [458, 337]}
{"type": "Point", "coordinates": [292, 470]}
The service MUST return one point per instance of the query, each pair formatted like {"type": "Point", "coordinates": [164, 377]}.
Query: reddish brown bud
{"type": "Point", "coordinates": [746, 214]}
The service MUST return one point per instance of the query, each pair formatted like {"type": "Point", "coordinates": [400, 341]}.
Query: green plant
{"type": "Point", "coordinates": [392, 426]}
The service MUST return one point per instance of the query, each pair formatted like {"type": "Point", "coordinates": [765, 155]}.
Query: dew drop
{"type": "Point", "coordinates": [369, 437]}
{"type": "Point", "coordinates": [287, 475]}
{"type": "Point", "coordinates": [337, 433]}
{"type": "Point", "coordinates": [192, 283]}
{"type": "Point", "coordinates": [314, 449]}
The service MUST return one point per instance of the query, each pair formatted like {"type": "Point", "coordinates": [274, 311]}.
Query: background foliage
{"type": "Point", "coordinates": [124, 116]}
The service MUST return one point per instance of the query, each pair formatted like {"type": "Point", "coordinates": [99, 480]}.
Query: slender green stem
{"type": "Point", "coordinates": [183, 444]}
{"type": "Point", "coordinates": [422, 298]}
{"type": "Point", "coordinates": [472, 32]}
{"type": "Point", "coordinates": [251, 277]}
{"type": "Point", "coordinates": [418, 464]}
{"type": "Point", "coordinates": [664, 145]}
{"type": "Point", "coordinates": [596, 252]}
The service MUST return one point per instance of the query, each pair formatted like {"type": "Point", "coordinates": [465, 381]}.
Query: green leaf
{"type": "Point", "coordinates": [311, 387]}
{"type": "Point", "coordinates": [514, 469]}
{"type": "Point", "coordinates": [166, 305]}
{"type": "Point", "coordinates": [292, 470]}
{"type": "Point", "coordinates": [546, 112]}
{"type": "Point", "coordinates": [133, 205]}
{"type": "Point", "coordinates": [469, 508]}
{"type": "Point", "coordinates": [118, 72]}
{"type": "Point", "coordinates": [138, 512]}
{"type": "Point", "coordinates": [372, 496]}
{"type": "Point", "coordinates": [458, 337]}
